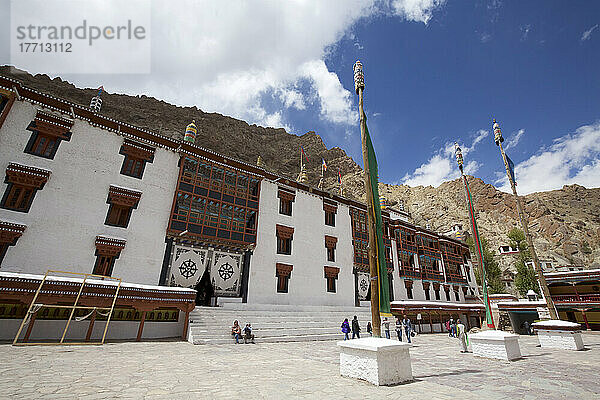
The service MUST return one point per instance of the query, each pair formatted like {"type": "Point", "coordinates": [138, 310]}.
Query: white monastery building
{"type": "Point", "coordinates": [85, 193]}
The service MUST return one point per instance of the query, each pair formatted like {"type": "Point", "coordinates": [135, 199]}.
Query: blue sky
{"type": "Point", "coordinates": [436, 71]}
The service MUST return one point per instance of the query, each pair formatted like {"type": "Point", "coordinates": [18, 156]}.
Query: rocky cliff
{"type": "Point", "coordinates": [565, 222]}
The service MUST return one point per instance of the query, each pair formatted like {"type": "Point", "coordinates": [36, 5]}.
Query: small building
{"type": "Point", "coordinates": [576, 295]}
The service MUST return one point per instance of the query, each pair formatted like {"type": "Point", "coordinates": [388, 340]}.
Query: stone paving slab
{"type": "Point", "coordinates": [179, 370]}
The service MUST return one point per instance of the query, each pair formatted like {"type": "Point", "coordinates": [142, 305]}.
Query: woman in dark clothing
{"type": "Point", "coordinates": [346, 329]}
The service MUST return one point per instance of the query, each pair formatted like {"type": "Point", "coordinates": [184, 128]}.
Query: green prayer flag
{"type": "Point", "coordinates": [384, 287]}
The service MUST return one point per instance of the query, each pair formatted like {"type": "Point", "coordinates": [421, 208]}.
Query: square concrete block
{"type": "Point", "coordinates": [496, 344]}
{"type": "Point", "coordinates": [376, 360]}
{"type": "Point", "coordinates": [556, 334]}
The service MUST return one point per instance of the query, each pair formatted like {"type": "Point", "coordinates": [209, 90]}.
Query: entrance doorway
{"type": "Point", "coordinates": [205, 291]}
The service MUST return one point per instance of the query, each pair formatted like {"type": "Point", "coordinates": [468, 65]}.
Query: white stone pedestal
{"type": "Point", "coordinates": [556, 334]}
{"type": "Point", "coordinates": [496, 344]}
{"type": "Point", "coordinates": [376, 360]}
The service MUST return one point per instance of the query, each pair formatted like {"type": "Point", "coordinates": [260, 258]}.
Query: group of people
{"type": "Point", "coordinates": [355, 328]}
{"type": "Point", "coordinates": [401, 325]}
{"type": "Point", "coordinates": [457, 329]}
{"type": "Point", "coordinates": [238, 333]}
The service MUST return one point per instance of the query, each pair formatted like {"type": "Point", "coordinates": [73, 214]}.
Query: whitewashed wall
{"type": "Point", "coordinates": [117, 330]}
{"type": "Point", "coordinates": [307, 284]}
{"type": "Point", "coordinates": [68, 213]}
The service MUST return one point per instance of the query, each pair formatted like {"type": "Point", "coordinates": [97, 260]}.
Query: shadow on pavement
{"type": "Point", "coordinates": [450, 373]}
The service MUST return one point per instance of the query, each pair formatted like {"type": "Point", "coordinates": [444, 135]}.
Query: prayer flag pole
{"type": "Point", "coordinates": [486, 300]}
{"type": "Point", "coordinates": [359, 85]}
{"type": "Point", "coordinates": [523, 218]}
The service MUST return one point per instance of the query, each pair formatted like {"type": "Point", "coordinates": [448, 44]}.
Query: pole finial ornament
{"type": "Point", "coordinates": [359, 77]}
{"type": "Point", "coordinates": [497, 133]}
{"type": "Point", "coordinates": [459, 156]}
{"type": "Point", "coordinates": [190, 133]}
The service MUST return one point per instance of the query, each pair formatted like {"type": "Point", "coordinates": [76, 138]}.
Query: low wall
{"type": "Point", "coordinates": [51, 330]}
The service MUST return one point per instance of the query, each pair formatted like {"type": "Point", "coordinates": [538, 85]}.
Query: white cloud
{"type": "Point", "coordinates": [485, 37]}
{"type": "Point", "coordinates": [336, 102]}
{"type": "Point", "coordinates": [587, 34]}
{"type": "Point", "coordinates": [231, 57]}
{"type": "Point", "coordinates": [573, 158]}
{"type": "Point", "coordinates": [481, 134]}
{"type": "Point", "coordinates": [525, 29]}
{"type": "Point", "coordinates": [514, 140]}
{"type": "Point", "coordinates": [442, 167]}
{"type": "Point", "coordinates": [416, 10]}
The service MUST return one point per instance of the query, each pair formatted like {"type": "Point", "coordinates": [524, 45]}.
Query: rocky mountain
{"type": "Point", "coordinates": [565, 223]}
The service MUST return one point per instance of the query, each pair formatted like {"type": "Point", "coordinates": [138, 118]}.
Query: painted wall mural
{"type": "Point", "coordinates": [226, 273]}
{"type": "Point", "coordinates": [188, 266]}
{"type": "Point", "coordinates": [363, 285]}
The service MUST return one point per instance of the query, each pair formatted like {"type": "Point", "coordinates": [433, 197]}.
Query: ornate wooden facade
{"type": "Point", "coordinates": [214, 201]}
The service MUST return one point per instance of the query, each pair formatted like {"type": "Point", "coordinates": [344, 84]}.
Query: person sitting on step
{"type": "Point", "coordinates": [248, 335]}
{"type": "Point", "coordinates": [236, 331]}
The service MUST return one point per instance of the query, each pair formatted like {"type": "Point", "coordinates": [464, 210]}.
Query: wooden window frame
{"type": "Point", "coordinates": [47, 128]}
{"type": "Point", "coordinates": [104, 265]}
{"type": "Point", "coordinates": [330, 212]}
{"type": "Point", "coordinates": [283, 273]}
{"type": "Point", "coordinates": [284, 246]}
{"type": "Point", "coordinates": [331, 254]}
{"type": "Point", "coordinates": [330, 245]}
{"type": "Point", "coordinates": [133, 167]}
{"type": "Point", "coordinates": [331, 276]}
{"type": "Point", "coordinates": [3, 251]}
{"type": "Point", "coordinates": [283, 284]}
{"type": "Point", "coordinates": [136, 156]}
{"type": "Point", "coordinates": [108, 250]}
{"type": "Point", "coordinates": [7, 98]}
{"type": "Point", "coordinates": [329, 218]}
{"type": "Point", "coordinates": [285, 235]}
{"type": "Point", "coordinates": [408, 286]}
{"type": "Point", "coordinates": [426, 287]}
{"type": "Point", "coordinates": [9, 235]}
{"type": "Point", "coordinates": [285, 207]}
{"type": "Point", "coordinates": [121, 202]}
{"type": "Point", "coordinates": [21, 180]}
{"type": "Point", "coordinates": [286, 198]}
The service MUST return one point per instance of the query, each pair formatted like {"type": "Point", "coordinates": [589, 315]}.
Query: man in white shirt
{"type": "Point", "coordinates": [462, 336]}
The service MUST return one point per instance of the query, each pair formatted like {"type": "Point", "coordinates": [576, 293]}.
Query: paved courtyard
{"type": "Point", "coordinates": [178, 370]}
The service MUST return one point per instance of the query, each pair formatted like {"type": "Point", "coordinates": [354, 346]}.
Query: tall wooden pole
{"type": "Point", "coordinates": [375, 318]}
{"type": "Point", "coordinates": [477, 241]}
{"type": "Point", "coordinates": [523, 219]}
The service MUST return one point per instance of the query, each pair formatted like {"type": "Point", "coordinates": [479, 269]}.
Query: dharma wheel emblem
{"type": "Point", "coordinates": [364, 285]}
{"type": "Point", "coordinates": [188, 269]}
{"type": "Point", "coordinates": [225, 271]}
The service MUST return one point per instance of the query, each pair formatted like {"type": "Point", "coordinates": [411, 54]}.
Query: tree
{"type": "Point", "coordinates": [493, 273]}
{"type": "Point", "coordinates": [526, 278]}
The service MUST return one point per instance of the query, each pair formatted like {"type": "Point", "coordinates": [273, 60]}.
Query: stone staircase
{"type": "Point", "coordinates": [270, 323]}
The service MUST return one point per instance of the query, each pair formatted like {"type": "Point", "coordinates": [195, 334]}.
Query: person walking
{"type": "Point", "coordinates": [386, 327]}
{"type": "Point", "coordinates": [399, 329]}
{"type": "Point", "coordinates": [346, 329]}
{"type": "Point", "coordinates": [527, 328]}
{"type": "Point", "coordinates": [407, 328]}
{"type": "Point", "coordinates": [452, 327]}
{"type": "Point", "coordinates": [462, 336]}
{"type": "Point", "coordinates": [369, 328]}
{"type": "Point", "coordinates": [355, 328]}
